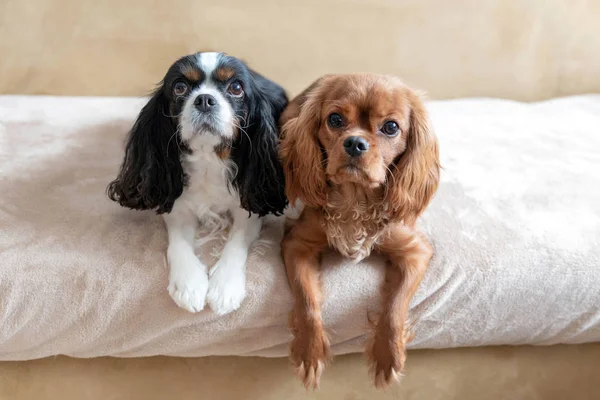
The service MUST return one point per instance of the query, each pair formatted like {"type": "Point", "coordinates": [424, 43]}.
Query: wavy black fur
{"type": "Point", "coordinates": [260, 181]}
{"type": "Point", "coordinates": [151, 176]}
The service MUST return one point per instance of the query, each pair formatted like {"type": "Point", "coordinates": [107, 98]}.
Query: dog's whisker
{"type": "Point", "coordinates": [243, 130]}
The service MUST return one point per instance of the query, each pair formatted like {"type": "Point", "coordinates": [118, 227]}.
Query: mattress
{"type": "Point", "coordinates": [515, 227]}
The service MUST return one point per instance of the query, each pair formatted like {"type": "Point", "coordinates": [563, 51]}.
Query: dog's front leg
{"type": "Point", "coordinates": [227, 282]}
{"type": "Point", "coordinates": [301, 249]}
{"type": "Point", "coordinates": [188, 279]}
{"type": "Point", "coordinates": [408, 255]}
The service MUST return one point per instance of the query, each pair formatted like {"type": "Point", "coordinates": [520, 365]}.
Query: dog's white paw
{"type": "Point", "coordinates": [226, 289]}
{"type": "Point", "coordinates": [188, 285]}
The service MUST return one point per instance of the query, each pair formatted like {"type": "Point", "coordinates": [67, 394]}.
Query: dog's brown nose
{"type": "Point", "coordinates": [356, 146]}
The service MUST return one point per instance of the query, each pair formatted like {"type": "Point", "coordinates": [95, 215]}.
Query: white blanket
{"type": "Point", "coordinates": [515, 225]}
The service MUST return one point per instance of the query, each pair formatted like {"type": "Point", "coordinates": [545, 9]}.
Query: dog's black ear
{"type": "Point", "coordinates": [151, 176]}
{"type": "Point", "coordinates": [260, 181]}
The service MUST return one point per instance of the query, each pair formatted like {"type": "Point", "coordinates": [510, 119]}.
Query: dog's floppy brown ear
{"type": "Point", "coordinates": [300, 151]}
{"type": "Point", "coordinates": [417, 172]}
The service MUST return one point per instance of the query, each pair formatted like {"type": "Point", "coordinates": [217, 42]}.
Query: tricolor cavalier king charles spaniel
{"type": "Point", "coordinates": [204, 145]}
{"type": "Point", "coordinates": [359, 152]}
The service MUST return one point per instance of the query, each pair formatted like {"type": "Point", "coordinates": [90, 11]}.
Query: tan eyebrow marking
{"type": "Point", "coordinates": [224, 73]}
{"type": "Point", "coordinates": [191, 74]}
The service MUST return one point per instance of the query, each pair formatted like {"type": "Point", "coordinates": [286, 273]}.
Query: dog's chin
{"type": "Point", "coordinates": [352, 173]}
{"type": "Point", "coordinates": [209, 127]}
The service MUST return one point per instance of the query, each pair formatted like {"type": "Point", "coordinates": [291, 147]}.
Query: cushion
{"type": "Point", "coordinates": [515, 227]}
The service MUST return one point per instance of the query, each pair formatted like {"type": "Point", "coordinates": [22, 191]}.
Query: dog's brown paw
{"type": "Point", "coordinates": [309, 354]}
{"type": "Point", "coordinates": [387, 356]}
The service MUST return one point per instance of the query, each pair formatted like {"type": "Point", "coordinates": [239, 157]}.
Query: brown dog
{"type": "Point", "coordinates": [359, 152]}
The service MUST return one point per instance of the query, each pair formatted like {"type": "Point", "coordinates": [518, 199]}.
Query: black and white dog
{"type": "Point", "coordinates": [204, 145]}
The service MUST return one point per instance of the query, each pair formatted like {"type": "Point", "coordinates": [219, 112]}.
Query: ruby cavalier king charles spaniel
{"type": "Point", "coordinates": [360, 154]}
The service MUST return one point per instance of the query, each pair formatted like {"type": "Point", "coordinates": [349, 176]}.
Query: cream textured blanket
{"type": "Point", "coordinates": [515, 225]}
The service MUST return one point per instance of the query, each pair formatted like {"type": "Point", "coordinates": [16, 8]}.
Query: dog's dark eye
{"type": "Point", "coordinates": [335, 120]}
{"type": "Point", "coordinates": [236, 89]}
{"type": "Point", "coordinates": [390, 128]}
{"type": "Point", "coordinates": [180, 88]}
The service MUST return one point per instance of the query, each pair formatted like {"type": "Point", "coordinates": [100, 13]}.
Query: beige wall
{"type": "Point", "coordinates": [522, 49]}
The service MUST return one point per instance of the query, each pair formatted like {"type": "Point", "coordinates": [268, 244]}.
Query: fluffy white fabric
{"type": "Point", "coordinates": [515, 225]}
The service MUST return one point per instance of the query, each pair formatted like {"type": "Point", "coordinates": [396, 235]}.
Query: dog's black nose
{"type": "Point", "coordinates": [356, 146]}
{"type": "Point", "coordinates": [204, 102]}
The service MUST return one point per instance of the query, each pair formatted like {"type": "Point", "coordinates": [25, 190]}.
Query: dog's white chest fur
{"type": "Point", "coordinates": [205, 199]}
{"type": "Point", "coordinates": [208, 190]}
